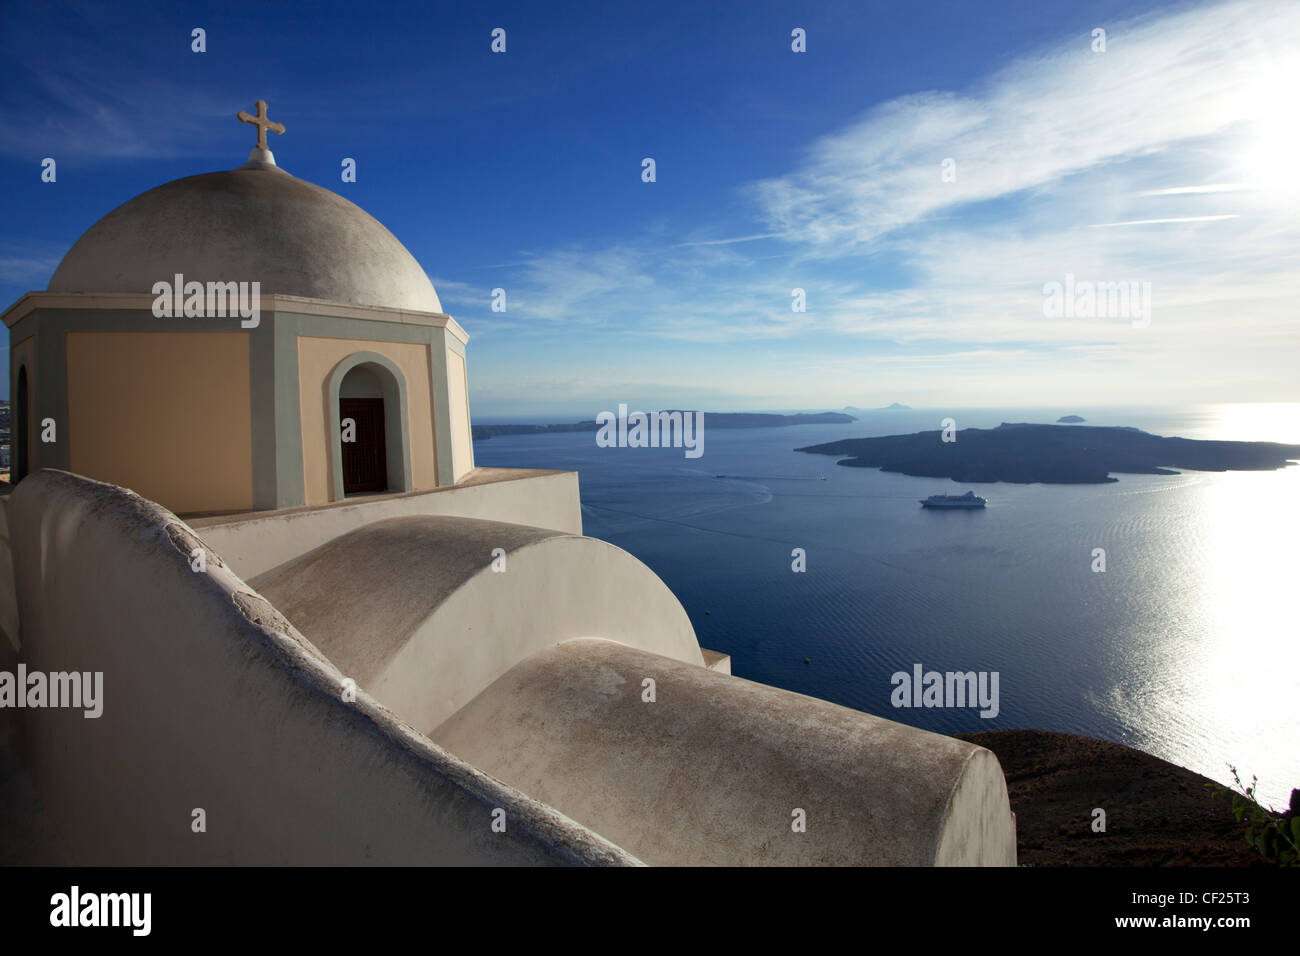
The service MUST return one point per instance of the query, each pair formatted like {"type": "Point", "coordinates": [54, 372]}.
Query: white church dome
{"type": "Point", "coordinates": [254, 223]}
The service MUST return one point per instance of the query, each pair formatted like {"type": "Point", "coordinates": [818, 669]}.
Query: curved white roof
{"type": "Point", "coordinates": [254, 223]}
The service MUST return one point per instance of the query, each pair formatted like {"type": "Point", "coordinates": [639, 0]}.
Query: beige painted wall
{"type": "Point", "coordinates": [462, 444]}
{"type": "Point", "coordinates": [165, 414]}
{"type": "Point", "coordinates": [316, 360]}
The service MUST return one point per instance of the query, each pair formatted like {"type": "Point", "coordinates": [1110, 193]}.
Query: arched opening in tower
{"type": "Point", "coordinates": [361, 414]}
{"type": "Point", "coordinates": [19, 428]}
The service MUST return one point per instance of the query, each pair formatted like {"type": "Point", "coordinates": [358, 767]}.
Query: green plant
{"type": "Point", "coordinates": [1275, 836]}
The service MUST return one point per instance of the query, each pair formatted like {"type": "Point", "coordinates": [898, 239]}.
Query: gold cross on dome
{"type": "Point", "coordinates": [261, 122]}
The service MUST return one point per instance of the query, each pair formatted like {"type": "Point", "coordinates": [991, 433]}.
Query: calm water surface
{"type": "Point", "coordinates": [1186, 647]}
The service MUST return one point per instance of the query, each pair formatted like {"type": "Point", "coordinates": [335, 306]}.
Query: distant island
{"type": "Point", "coordinates": [892, 407]}
{"type": "Point", "coordinates": [1052, 454]}
{"type": "Point", "coordinates": [711, 419]}
{"type": "Point", "coordinates": [1071, 419]}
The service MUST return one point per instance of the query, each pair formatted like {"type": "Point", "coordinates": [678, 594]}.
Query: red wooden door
{"type": "Point", "coordinates": [365, 463]}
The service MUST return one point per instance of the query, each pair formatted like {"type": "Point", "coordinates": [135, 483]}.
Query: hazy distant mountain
{"type": "Point", "coordinates": [711, 420]}
{"type": "Point", "coordinates": [1071, 419]}
{"type": "Point", "coordinates": [893, 406]}
{"type": "Point", "coordinates": [1052, 454]}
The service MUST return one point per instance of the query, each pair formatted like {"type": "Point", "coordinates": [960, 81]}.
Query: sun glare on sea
{"type": "Point", "coordinates": [1251, 660]}
{"type": "Point", "coordinates": [1221, 683]}
{"type": "Point", "coordinates": [1256, 421]}
{"type": "Point", "coordinates": [1214, 675]}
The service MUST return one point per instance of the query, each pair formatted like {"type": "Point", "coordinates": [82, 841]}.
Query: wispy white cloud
{"type": "Point", "coordinates": [26, 270]}
{"type": "Point", "coordinates": [728, 242]}
{"type": "Point", "coordinates": [1195, 190]}
{"type": "Point", "coordinates": [1164, 81]}
{"type": "Point", "coordinates": [78, 112]}
{"type": "Point", "coordinates": [1152, 222]}
{"type": "Point", "coordinates": [1141, 164]}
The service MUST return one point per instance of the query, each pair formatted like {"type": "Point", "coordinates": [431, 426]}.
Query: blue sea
{"type": "Point", "coordinates": [1184, 647]}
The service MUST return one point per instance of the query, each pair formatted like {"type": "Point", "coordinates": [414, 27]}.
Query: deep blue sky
{"type": "Point", "coordinates": [775, 170]}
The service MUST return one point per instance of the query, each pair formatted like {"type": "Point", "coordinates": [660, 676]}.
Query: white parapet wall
{"type": "Point", "coordinates": [215, 707]}
{"type": "Point", "coordinates": [682, 765]}
{"type": "Point", "coordinates": [565, 691]}
{"type": "Point", "coordinates": [254, 542]}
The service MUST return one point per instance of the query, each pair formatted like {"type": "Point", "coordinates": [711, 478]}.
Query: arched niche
{"type": "Point", "coordinates": [20, 441]}
{"type": "Point", "coordinates": [373, 370]}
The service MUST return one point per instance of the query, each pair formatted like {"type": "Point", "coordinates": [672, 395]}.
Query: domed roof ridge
{"type": "Point", "coordinates": [253, 223]}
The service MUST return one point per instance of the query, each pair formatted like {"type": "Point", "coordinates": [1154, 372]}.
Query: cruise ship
{"type": "Point", "coordinates": [968, 500]}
